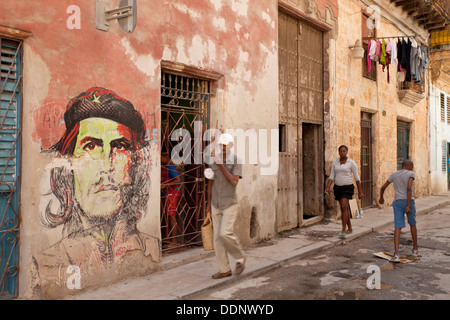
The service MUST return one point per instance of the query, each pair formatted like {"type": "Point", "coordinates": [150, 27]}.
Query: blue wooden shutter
{"type": "Point", "coordinates": [10, 102]}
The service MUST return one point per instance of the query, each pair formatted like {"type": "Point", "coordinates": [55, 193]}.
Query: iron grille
{"type": "Point", "coordinates": [410, 85]}
{"type": "Point", "coordinates": [366, 161]}
{"type": "Point", "coordinates": [185, 103]}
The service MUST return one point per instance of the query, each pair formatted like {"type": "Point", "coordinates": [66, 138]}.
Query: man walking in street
{"type": "Point", "coordinates": [403, 180]}
{"type": "Point", "coordinates": [223, 207]}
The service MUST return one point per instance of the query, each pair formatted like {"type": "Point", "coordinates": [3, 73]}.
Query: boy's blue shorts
{"type": "Point", "coordinates": [399, 213]}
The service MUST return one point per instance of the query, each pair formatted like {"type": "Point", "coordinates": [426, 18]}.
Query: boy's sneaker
{"type": "Point", "coordinates": [395, 258]}
{"type": "Point", "coordinates": [415, 253]}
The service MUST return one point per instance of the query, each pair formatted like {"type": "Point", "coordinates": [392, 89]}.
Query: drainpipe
{"type": "Point", "coordinates": [429, 125]}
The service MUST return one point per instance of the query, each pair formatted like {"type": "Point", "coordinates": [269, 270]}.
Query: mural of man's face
{"type": "Point", "coordinates": [101, 165]}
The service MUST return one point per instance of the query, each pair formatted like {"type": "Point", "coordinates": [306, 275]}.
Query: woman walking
{"type": "Point", "coordinates": [341, 174]}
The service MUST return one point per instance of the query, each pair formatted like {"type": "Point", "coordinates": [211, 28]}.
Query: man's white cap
{"type": "Point", "coordinates": [226, 139]}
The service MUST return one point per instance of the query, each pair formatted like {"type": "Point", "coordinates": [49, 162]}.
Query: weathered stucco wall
{"type": "Point", "coordinates": [233, 38]}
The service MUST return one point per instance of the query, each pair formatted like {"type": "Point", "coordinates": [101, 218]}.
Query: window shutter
{"type": "Point", "coordinates": [9, 113]}
{"type": "Point", "coordinates": [448, 109]}
{"type": "Point", "coordinates": [442, 107]}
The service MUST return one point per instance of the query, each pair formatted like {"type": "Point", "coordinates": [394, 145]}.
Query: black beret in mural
{"type": "Point", "coordinates": [103, 103]}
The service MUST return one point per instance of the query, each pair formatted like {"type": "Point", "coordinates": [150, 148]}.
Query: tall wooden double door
{"type": "Point", "coordinates": [301, 174]}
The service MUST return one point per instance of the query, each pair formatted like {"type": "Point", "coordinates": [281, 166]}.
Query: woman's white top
{"type": "Point", "coordinates": [341, 174]}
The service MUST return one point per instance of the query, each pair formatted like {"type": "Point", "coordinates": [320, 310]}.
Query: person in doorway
{"type": "Point", "coordinates": [341, 174]}
{"type": "Point", "coordinates": [403, 180]}
{"type": "Point", "coordinates": [223, 206]}
{"type": "Point", "coordinates": [170, 191]}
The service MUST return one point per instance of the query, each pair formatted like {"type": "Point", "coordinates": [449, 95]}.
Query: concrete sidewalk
{"type": "Point", "coordinates": [188, 273]}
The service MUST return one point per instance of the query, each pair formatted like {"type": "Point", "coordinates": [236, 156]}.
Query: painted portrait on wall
{"type": "Point", "coordinates": [99, 191]}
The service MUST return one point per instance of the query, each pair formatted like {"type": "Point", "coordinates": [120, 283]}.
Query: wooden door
{"type": "Point", "coordinates": [402, 142]}
{"type": "Point", "coordinates": [366, 160]}
{"type": "Point", "coordinates": [310, 111]}
{"type": "Point", "coordinates": [287, 198]}
{"type": "Point", "coordinates": [300, 178]}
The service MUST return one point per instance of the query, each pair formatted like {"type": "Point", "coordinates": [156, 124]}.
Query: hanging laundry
{"type": "Point", "coordinates": [394, 56]}
{"type": "Point", "coordinates": [424, 57]}
{"type": "Point", "coordinates": [422, 60]}
{"type": "Point", "coordinates": [378, 50]}
{"type": "Point", "coordinates": [401, 58]}
{"type": "Point", "coordinates": [369, 61]}
{"type": "Point", "coordinates": [401, 46]}
{"type": "Point", "coordinates": [383, 53]}
{"type": "Point", "coordinates": [373, 50]}
{"type": "Point", "coordinates": [413, 59]}
{"type": "Point", "coordinates": [408, 60]}
{"type": "Point", "coordinates": [388, 58]}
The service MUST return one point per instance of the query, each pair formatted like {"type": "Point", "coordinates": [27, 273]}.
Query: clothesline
{"type": "Point", "coordinates": [394, 37]}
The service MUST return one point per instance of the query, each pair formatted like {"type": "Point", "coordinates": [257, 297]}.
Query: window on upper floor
{"type": "Point", "coordinates": [367, 33]}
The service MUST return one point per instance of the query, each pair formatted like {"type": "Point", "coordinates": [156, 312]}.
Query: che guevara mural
{"type": "Point", "coordinates": [99, 190]}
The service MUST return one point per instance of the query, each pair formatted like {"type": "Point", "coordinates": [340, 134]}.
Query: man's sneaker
{"type": "Point", "coordinates": [415, 253]}
{"type": "Point", "coordinates": [395, 258]}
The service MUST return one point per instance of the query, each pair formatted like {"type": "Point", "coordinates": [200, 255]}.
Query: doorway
{"type": "Point", "coordinates": [403, 131]}
{"type": "Point", "coordinates": [184, 109]}
{"type": "Point", "coordinates": [366, 160]}
{"type": "Point", "coordinates": [300, 175]}
{"type": "Point", "coordinates": [312, 146]}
